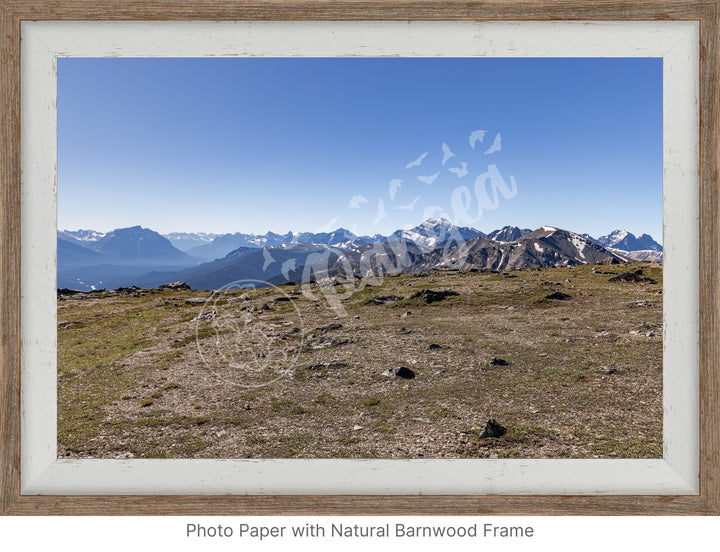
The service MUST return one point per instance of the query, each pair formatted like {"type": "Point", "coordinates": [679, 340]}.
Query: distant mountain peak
{"type": "Point", "coordinates": [508, 234]}
{"type": "Point", "coordinates": [624, 240]}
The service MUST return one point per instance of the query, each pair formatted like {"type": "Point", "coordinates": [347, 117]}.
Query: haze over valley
{"type": "Point", "coordinates": [141, 257]}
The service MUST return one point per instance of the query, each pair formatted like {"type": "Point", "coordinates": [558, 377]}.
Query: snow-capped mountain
{"type": "Point", "coordinates": [624, 240]}
{"type": "Point", "coordinates": [187, 240]}
{"type": "Point", "coordinates": [508, 234]}
{"type": "Point", "coordinates": [81, 235]}
{"type": "Point", "coordinates": [433, 232]}
{"type": "Point", "coordinates": [136, 255]}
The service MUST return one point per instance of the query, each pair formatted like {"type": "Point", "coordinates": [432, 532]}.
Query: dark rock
{"type": "Point", "coordinates": [558, 296]}
{"type": "Point", "coordinates": [433, 347]}
{"type": "Point", "coordinates": [499, 362]}
{"type": "Point", "coordinates": [325, 342]}
{"type": "Point", "coordinates": [493, 429]}
{"type": "Point", "coordinates": [174, 286]}
{"type": "Point", "coordinates": [641, 304]}
{"type": "Point", "coordinates": [282, 299]}
{"type": "Point", "coordinates": [551, 284]}
{"type": "Point", "coordinates": [328, 328]}
{"type": "Point", "coordinates": [636, 276]}
{"type": "Point", "coordinates": [430, 295]}
{"type": "Point", "coordinates": [384, 299]}
{"type": "Point", "coordinates": [266, 307]}
{"type": "Point", "coordinates": [128, 290]}
{"type": "Point", "coordinates": [67, 291]}
{"type": "Point", "coordinates": [402, 372]}
{"type": "Point", "coordinates": [404, 331]}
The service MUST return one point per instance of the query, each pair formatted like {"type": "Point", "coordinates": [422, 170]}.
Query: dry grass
{"type": "Point", "coordinates": [139, 377]}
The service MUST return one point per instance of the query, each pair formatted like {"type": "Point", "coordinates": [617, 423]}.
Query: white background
{"type": "Point", "coordinates": [141, 534]}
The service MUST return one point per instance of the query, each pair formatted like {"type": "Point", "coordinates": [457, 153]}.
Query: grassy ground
{"type": "Point", "coordinates": [139, 377]}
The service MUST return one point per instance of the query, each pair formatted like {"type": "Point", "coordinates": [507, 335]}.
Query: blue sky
{"type": "Point", "coordinates": [258, 144]}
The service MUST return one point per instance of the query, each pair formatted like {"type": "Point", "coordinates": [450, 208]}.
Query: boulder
{"type": "Point", "coordinates": [493, 429]}
{"type": "Point", "coordinates": [174, 286]}
{"type": "Point", "coordinates": [558, 296]}
{"type": "Point", "coordinates": [636, 276]}
{"type": "Point", "coordinates": [402, 372]}
{"type": "Point", "coordinates": [430, 295]}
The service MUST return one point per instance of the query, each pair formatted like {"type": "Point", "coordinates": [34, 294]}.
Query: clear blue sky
{"type": "Point", "coordinates": [258, 144]}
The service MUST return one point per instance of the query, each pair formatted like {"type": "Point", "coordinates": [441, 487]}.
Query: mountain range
{"type": "Point", "coordinates": [139, 256]}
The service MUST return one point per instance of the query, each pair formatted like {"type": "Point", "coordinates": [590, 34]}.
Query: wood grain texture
{"type": "Point", "coordinates": [349, 10]}
{"type": "Point", "coordinates": [710, 259]}
{"type": "Point", "coordinates": [14, 11]}
{"type": "Point", "coordinates": [9, 258]}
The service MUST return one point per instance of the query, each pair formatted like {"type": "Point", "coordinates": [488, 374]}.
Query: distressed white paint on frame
{"type": "Point", "coordinates": [676, 42]}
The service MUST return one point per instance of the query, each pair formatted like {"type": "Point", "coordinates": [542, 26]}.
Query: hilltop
{"type": "Point", "coordinates": [568, 359]}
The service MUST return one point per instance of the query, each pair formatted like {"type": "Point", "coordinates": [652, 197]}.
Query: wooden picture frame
{"type": "Point", "coordinates": [14, 12]}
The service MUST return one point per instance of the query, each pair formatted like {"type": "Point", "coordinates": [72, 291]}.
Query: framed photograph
{"type": "Point", "coordinates": [359, 258]}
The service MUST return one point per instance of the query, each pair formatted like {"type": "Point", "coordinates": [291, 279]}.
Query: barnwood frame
{"type": "Point", "coordinates": [706, 12]}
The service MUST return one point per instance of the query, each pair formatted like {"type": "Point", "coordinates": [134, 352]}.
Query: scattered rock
{"type": "Point", "coordinates": [404, 331]}
{"type": "Point", "coordinates": [493, 429]}
{"type": "Point", "coordinates": [331, 365]}
{"type": "Point", "coordinates": [357, 428]}
{"type": "Point", "coordinates": [498, 362]}
{"type": "Point", "coordinates": [636, 276]}
{"type": "Point", "coordinates": [174, 286]}
{"type": "Point", "coordinates": [641, 304]}
{"type": "Point", "coordinates": [405, 314]}
{"type": "Point", "coordinates": [205, 316]}
{"type": "Point", "coordinates": [402, 372]}
{"type": "Point", "coordinates": [326, 342]}
{"type": "Point", "coordinates": [558, 296]}
{"type": "Point", "coordinates": [195, 301]}
{"type": "Point", "coordinates": [551, 284]}
{"type": "Point", "coordinates": [609, 369]}
{"type": "Point", "coordinates": [431, 296]}
{"type": "Point", "coordinates": [68, 291]}
{"type": "Point", "coordinates": [433, 347]}
{"type": "Point", "coordinates": [328, 328]}
{"type": "Point", "coordinates": [384, 299]}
